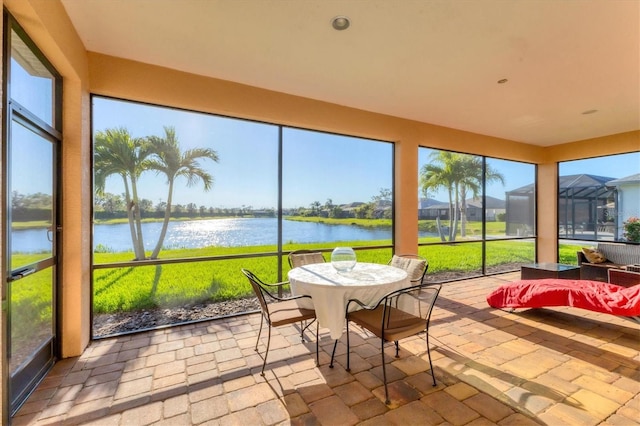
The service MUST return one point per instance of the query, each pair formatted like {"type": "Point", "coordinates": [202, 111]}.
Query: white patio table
{"type": "Point", "coordinates": [330, 290]}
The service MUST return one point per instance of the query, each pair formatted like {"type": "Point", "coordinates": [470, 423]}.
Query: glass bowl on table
{"type": "Point", "coordinates": [343, 259]}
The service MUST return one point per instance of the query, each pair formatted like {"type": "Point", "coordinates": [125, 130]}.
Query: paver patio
{"type": "Point", "coordinates": [544, 366]}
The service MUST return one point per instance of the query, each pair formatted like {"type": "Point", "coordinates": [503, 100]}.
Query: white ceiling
{"type": "Point", "coordinates": [433, 61]}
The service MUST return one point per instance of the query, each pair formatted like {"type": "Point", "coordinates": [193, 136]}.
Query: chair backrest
{"type": "Point", "coordinates": [623, 278]}
{"type": "Point", "coordinates": [304, 257]}
{"type": "Point", "coordinates": [402, 307]}
{"type": "Point", "coordinates": [416, 266]}
{"type": "Point", "coordinates": [259, 289]}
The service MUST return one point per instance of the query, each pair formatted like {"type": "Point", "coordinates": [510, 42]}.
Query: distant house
{"type": "Point", "coordinates": [493, 207]}
{"type": "Point", "coordinates": [628, 201]}
{"type": "Point", "coordinates": [586, 206]}
{"type": "Point", "coordinates": [349, 210]}
{"type": "Point", "coordinates": [423, 208]}
{"type": "Point", "coordinates": [382, 209]}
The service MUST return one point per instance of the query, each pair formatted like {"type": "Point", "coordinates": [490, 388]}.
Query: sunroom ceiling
{"type": "Point", "coordinates": [434, 61]}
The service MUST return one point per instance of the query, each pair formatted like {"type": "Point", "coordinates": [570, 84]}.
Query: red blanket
{"type": "Point", "coordinates": [592, 295]}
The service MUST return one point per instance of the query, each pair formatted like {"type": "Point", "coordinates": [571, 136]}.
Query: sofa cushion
{"type": "Point", "coordinates": [593, 255]}
{"type": "Point", "coordinates": [622, 254]}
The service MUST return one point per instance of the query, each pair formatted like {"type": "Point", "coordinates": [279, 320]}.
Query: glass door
{"type": "Point", "coordinates": [31, 259]}
{"type": "Point", "coordinates": [31, 144]}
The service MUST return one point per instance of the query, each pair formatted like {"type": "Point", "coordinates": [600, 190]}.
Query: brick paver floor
{"type": "Point", "coordinates": [559, 366]}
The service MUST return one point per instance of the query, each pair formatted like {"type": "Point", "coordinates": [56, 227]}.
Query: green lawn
{"type": "Point", "coordinates": [33, 224]}
{"type": "Point", "coordinates": [145, 287]}
{"type": "Point", "coordinates": [140, 287]}
{"type": "Point", "coordinates": [133, 288]}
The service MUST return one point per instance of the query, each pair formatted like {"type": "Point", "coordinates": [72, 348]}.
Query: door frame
{"type": "Point", "coordinates": [11, 111]}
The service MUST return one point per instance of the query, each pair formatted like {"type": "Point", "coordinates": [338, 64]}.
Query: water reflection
{"type": "Point", "coordinates": [233, 232]}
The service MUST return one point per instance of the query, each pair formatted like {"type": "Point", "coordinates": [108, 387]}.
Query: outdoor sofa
{"type": "Point", "coordinates": [611, 255]}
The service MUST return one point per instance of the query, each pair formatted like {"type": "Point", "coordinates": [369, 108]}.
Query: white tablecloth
{"type": "Point", "coordinates": [330, 291]}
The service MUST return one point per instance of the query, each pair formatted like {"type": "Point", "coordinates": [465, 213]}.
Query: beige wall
{"type": "Point", "coordinates": [141, 82]}
{"type": "Point", "coordinates": [47, 24]}
{"type": "Point", "coordinates": [136, 81]}
{"type": "Point", "coordinates": [606, 145]}
{"type": "Point", "coordinates": [548, 181]}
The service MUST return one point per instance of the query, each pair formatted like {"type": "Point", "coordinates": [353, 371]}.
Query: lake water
{"type": "Point", "coordinates": [230, 232]}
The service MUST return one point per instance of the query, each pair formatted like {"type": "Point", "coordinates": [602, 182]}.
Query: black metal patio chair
{"type": "Point", "coordinates": [278, 311]}
{"type": "Point", "coordinates": [399, 314]}
{"type": "Point", "coordinates": [304, 257]}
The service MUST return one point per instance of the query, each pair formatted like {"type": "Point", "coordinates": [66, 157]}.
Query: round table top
{"type": "Point", "coordinates": [362, 275]}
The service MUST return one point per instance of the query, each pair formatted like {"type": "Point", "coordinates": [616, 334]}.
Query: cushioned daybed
{"type": "Point", "coordinates": [591, 295]}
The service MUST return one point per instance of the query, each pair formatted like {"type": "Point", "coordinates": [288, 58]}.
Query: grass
{"type": "Point", "coordinates": [145, 287]}
{"type": "Point", "coordinates": [133, 288]}
{"type": "Point", "coordinates": [33, 224]}
{"type": "Point", "coordinates": [31, 308]}
{"type": "Point", "coordinates": [473, 228]}
{"type": "Point", "coordinates": [365, 223]}
{"type": "Point", "coordinates": [122, 220]}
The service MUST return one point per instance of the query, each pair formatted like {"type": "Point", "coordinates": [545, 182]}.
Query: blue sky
{"type": "Point", "coordinates": [318, 166]}
{"type": "Point", "coordinates": [616, 166]}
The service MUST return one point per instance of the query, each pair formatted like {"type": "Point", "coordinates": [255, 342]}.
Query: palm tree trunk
{"type": "Point", "coordinates": [165, 223]}
{"type": "Point", "coordinates": [452, 212]}
{"type": "Point", "coordinates": [132, 229]}
{"type": "Point", "coordinates": [137, 220]}
{"type": "Point", "coordinates": [463, 211]}
{"type": "Point", "coordinates": [439, 226]}
{"type": "Point", "coordinates": [454, 227]}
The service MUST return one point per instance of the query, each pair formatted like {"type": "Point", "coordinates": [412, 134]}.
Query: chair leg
{"type": "Point", "coordinates": [302, 329]}
{"type": "Point", "coordinates": [333, 352]}
{"type": "Point", "coordinates": [259, 331]}
{"type": "Point", "coordinates": [384, 375]}
{"type": "Point", "coordinates": [397, 349]}
{"type": "Point", "coordinates": [317, 344]}
{"type": "Point", "coordinates": [348, 348]}
{"type": "Point", "coordinates": [433, 375]}
{"type": "Point", "coordinates": [264, 363]}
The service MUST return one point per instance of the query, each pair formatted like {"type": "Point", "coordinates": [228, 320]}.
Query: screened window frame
{"type": "Point", "coordinates": [484, 239]}
{"type": "Point", "coordinates": [279, 251]}
{"type": "Point", "coordinates": [598, 190]}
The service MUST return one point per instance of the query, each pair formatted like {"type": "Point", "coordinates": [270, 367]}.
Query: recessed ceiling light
{"type": "Point", "coordinates": [502, 81]}
{"type": "Point", "coordinates": [590, 111]}
{"type": "Point", "coordinates": [340, 23]}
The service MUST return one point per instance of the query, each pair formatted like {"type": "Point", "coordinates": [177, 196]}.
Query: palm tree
{"type": "Point", "coordinates": [328, 204]}
{"type": "Point", "coordinates": [459, 174]}
{"type": "Point", "coordinates": [472, 182]}
{"type": "Point", "coordinates": [117, 153]}
{"type": "Point", "coordinates": [443, 172]}
{"type": "Point", "coordinates": [315, 208]}
{"type": "Point", "coordinates": [173, 163]}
